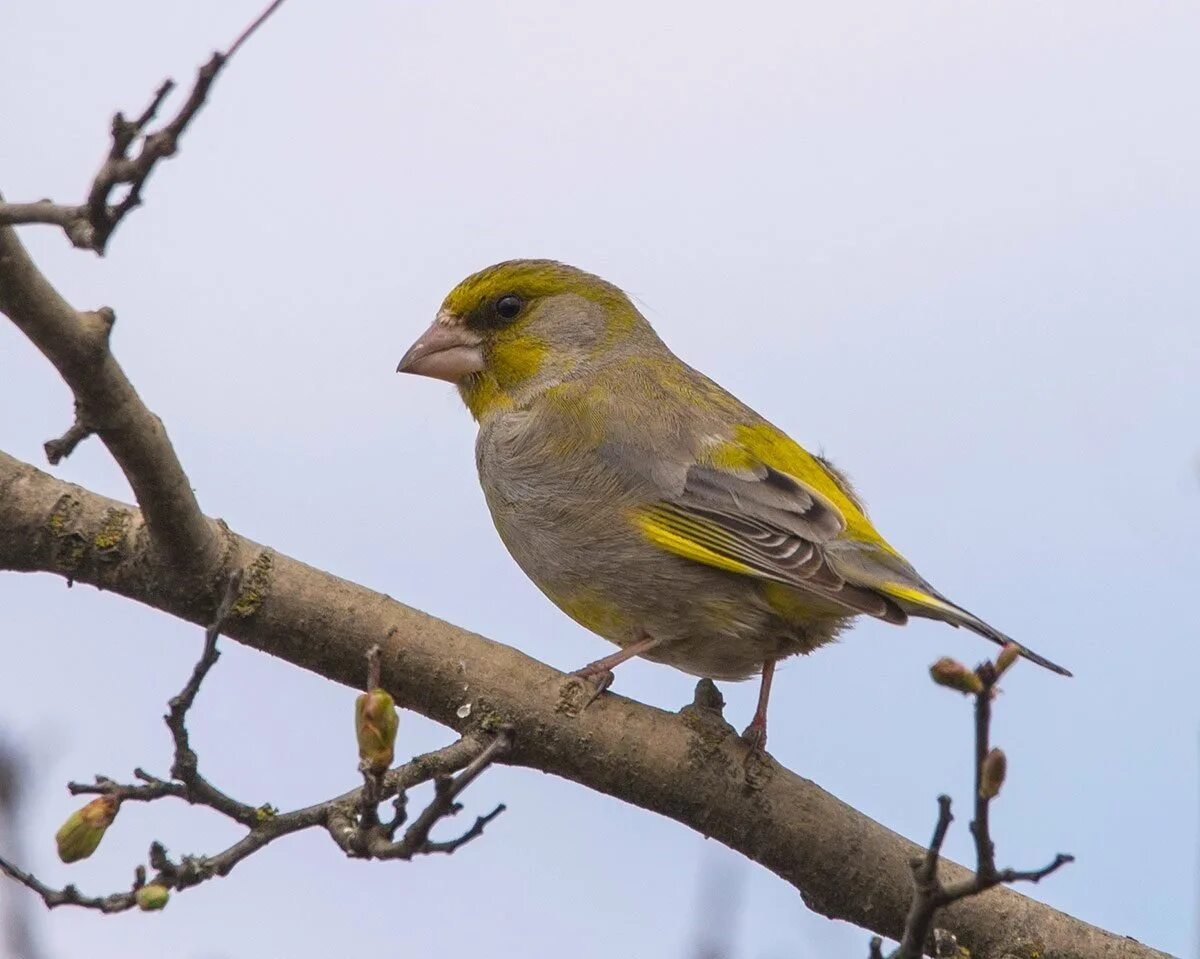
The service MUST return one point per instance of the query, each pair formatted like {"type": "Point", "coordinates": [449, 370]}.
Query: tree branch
{"type": "Point", "coordinates": [688, 767]}
{"type": "Point", "coordinates": [90, 225]}
{"type": "Point", "coordinates": [334, 815]}
{"type": "Point", "coordinates": [350, 819]}
{"type": "Point", "coordinates": [77, 344]}
{"type": "Point", "coordinates": [930, 894]}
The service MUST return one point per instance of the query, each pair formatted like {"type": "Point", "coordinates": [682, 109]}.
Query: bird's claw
{"type": "Point", "coordinates": [599, 680]}
{"type": "Point", "coordinates": [755, 736]}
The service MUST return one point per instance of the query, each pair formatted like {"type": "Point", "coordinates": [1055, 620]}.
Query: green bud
{"type": "Point", "coordinates": [376, 722]}
{"type": "Point", "coordinates": [79, 836]}
{"type": "Point", "coordinates": [152, 897]}
{"type": "Point", "coordinates": [991, 777]}
{"type": "Point", "coordinates": [1008, 656]}
{"type": "Point", "coordinates": [954, 675]}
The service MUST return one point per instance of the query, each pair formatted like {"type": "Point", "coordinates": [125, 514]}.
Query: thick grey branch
{"type": "Point", "coordinates": [687, 767]}
{"type": "Point", "coordinates": [77, 345]}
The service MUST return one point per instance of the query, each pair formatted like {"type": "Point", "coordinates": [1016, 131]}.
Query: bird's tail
{"type": "Point", "coordinates": [932, 605]}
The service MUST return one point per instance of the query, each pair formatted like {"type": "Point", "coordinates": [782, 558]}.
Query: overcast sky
{"type": "Point", "coordinates": [952, 245]}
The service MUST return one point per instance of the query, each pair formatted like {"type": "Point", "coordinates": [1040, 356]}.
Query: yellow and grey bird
{"type": "Point", "coordinates": [649, 504]}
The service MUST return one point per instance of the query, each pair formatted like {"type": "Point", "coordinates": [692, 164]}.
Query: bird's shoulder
{"type": "Point", "coordinates": [658, 415]}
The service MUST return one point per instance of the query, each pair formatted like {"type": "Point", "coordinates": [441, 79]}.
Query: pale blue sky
{"type": "Point", "coordinates": [952, 245]}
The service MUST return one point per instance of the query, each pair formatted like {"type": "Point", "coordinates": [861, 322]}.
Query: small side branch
{"type": "Point", "coordinates": [77, 343]}
{"type": "Point", "coordinates": [185, 781]}
{"type": "Point", "coordinates": [68, 895]}
{"type": "Point", "coordinates": [134, 151]}
{"type": "Point", "coordinates": [350, 819]}
{"type": "Point", "coordinates": [185, 766]}
{"type": "Point", "coordinates": [416, 841]}
{"type": "Point", "coordinates": [929, 893]}
{"type": "Point", "coordinates": [59, 449]}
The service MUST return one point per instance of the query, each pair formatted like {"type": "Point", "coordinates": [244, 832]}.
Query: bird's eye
{"type": "Point", "coordinates": [507, 307]}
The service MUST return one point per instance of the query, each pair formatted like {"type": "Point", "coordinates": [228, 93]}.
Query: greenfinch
{"type": "Point", "coordinates": [650, 505]}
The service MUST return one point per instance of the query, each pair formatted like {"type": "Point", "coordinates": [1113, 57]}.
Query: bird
{"type": "Point", "coordinates": [648, 503]}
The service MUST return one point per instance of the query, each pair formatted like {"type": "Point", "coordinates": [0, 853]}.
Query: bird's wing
{"type": "Point", "coordinates": [747, 510]}
{"type": "Point", "coordinates": [734, 510]}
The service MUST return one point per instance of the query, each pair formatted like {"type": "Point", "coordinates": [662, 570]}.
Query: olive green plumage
{"type": "Point", "coordinates": [643, 499]}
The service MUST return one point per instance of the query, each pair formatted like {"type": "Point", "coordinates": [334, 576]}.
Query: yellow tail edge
{"type": "Point", "coordinates": [919, 602]}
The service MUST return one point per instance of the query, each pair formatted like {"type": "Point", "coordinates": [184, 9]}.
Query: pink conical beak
{"type": "Point", "coordinates": [446, 351]}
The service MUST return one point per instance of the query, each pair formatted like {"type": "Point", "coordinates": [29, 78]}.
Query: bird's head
{"type": "Point", "coordinates": [519, 327]}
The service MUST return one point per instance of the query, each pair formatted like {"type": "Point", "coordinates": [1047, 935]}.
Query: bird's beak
{"type": "Point", "coordinates": [446, 351]}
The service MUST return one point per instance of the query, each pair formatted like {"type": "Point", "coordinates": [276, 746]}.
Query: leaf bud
{"type": "Point", "coordinates": [376, 722]}
{"type": "Point", "coordinates": [79, 836]}
{"type": "Point", "coordinates": [1008, 656]}
{"type": "Point", "coordinates": [954, 675]}
{"type": "Point", "coordinates": [152, 897]}
{"type": "Point", "coordinates": [991, 776]}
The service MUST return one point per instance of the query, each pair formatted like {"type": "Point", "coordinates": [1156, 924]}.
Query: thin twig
{"type": "Point", "coordinates": [68, 895]}
{"type": "Point", "coordinates": [245, 34]}
{"type": "Point", "coordinates": [366, 837]}
{"type": "Point", "coordinates": [350, 819]}
{"type": "Point", "coordinates": [416, 838]}
{"type": "Point", "coordinates": [184, 768]}
{"type": "Point", "coordinates": [91, 225]}
{"type": "Point", "coordinates": [929, 893]}
{"type": "Point", "coordinates": [985, 849]}
{"type": "Point", "coordinates": [186, 782]}
{"type": "Point", "coordinates": [191, 871]}
{"type": "Point", "coordinates": [181, 703]}
{"type": "Point", "coordinates": [59, 449]}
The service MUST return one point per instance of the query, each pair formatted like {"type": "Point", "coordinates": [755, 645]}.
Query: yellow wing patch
{"type": "Point", "coordinates": [761, 443]}
{"type": "Point", "coordinates": [690, 538]}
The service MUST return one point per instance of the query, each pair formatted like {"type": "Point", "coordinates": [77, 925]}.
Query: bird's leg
{"type": "Point", "coordinates": [601, 671]}
{"type": "Point", "coordinates": [756, 732]}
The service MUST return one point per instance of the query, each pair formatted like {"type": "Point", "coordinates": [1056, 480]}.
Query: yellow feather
{"type": "Point", "coordinates": [675, 535]}
{"type": "Point", "coordinates": [761, 443]}
{"type": "Point", "coordinates": [918, 597]}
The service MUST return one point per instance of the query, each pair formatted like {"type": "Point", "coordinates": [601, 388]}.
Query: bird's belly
{"type": "Point", "coordinates": [610, 580]}
{"type": "Point", "coordinates": [567, 523]}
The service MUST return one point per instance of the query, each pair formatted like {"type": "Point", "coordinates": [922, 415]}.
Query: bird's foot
{"type": "Point", "coordinates": [755, 735]}
{"type": "Point", "coordinates": [757, 766]}
{"type": "Point", "coordinates": [599, 675]}
{"type": "Point", "coordinates": [598, 678]}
